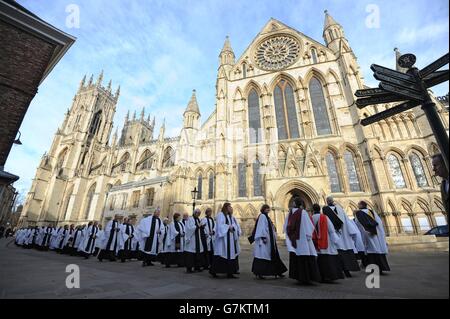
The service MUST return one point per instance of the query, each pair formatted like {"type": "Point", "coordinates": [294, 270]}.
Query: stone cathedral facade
{"type": "Point", "coordinates": [285, 124]}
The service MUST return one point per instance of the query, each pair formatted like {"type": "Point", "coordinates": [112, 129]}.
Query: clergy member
{"type": "Point", "coordinates": [326, 240]}
{"type": "Point", "coordinates": [151, 230]}
{"type": "Point", "coordinates": [210, 233]}
{"type": "Point", "coordinates": [46, 237]}
{"type": "Point", "coordinates": [112, 232]}
{"type": "Point", "coordinates": [62, 239]}
{"type": "Point", "coordinates": [175, 243]}
{"type": "Point", "coordinates": [87, 246]}
{"type": "Point", "coordinates": [226, 245]}
{"type": "Point", "coordinates": [194, 250]}
{"type": "Point", "coordinates": [299, 231]}
{"type": "Point", "coordinates": [163, 252]}
{"type": "Point", "coordinates": [346, 233]}
{"type": "Point", "coordinates": [267, 261]}
{"type": "Point", "coordinates": [128, 242]}
{"type": "Point", "coordinates": [374, 237]}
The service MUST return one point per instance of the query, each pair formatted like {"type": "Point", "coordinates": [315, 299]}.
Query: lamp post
{"type": "Point", "coordinates": [194, 196]}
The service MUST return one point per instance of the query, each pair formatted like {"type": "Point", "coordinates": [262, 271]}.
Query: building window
{"type": "Point", "coordinates": [112, 202]}
{"type": "Point", "coordinates": [352, 173]}
{"type": "Point", "coordinates": [211, 186]}
{"type": "Point", "coordinates": [150, 194]}
{"type": "Point", "coordinates": [242, 180]}
{"type": "Point", "coordinates": [95, 124]}
{"type": "Point", "coordinates": [135, 196]}
{"type": "Point", "coordinates": [199, 186]}
{"type": "Point", "coordinates": [257, 185]}
{"type": "Point", "coordinates": [333, 175]}
{"type": "Point", "coordinates": [146, 161]}
{"type": "Point", "coordinates": [244, 70]}
{"type": "Point", "coordinates": [285, 111]}
{"type": "Point", "coordinates": [319, 107]}
{"type": "Point", "coordinates": [314, 55]}
{"type": "Point", "coordinates": [330, 33]}
{"type": "Point", "coordinates": [254, 117]}
{"type": "Point", "coordinates": [396, 172]}
{"type": "Point", "coordinates": [418, 170]}
{"type": "Point", "coordinates": [89, 198]}
{"type": "Point", "coordinates": [169, 157]}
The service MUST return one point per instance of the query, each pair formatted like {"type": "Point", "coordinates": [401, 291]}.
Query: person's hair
{"type": "Point", "coordinates": [363, 204]}
{"type": "Point", "coordinates": [225, 207]}
{"type": "Point", "coordinates": [208, 210]}
{"type": "Point", "coordinates": [264, 207]}
{"type": "Point", "coordinates": [316, 208]}
{"type": "Point", "coordinates": [176, 215]}
{"type": "Point", "coordinates": [299, 203]}
{"type": "Point", "coordinates": [438, 156]}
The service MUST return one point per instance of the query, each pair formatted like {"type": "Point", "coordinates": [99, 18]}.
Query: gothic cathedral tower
{"type": "Point", "coordinates": [75, 151]}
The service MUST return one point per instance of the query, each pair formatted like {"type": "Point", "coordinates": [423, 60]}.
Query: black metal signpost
{"type": "Point", "coordinates": [411, 88]}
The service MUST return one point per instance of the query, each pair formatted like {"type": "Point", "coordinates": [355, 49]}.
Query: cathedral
{"type": "Point", "coordinates": [285, 124]}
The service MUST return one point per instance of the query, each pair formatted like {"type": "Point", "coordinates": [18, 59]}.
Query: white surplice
{"type": "Point", "coordinates": [333, 238]}
{"type": "Point", "coordinates": [374, 244]}
{"type": "Point", "coordinates": [347, 232]}
{"type": "Point", "coordinates": [225, 237]}
{"type": "Point", "coordinates": [172, 234]}
{"type": "Point", "coordinates": [144, 229]}
{"type": "Point", "coordinates": [193, 236]}
{"type": "Point", "coordinates": [305, 245]}
{"type": "Point", "coordinates": [263, 250]}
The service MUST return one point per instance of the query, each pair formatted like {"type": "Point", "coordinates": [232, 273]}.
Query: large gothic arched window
{"type": "Point", "coordinates": [96, 121]}
{"type": "Point", "coordinates": [199, 186]}
{"type": "Point", "coordinates": [333, 173]}
{"type": "Point", "coordinates": [242, 179]}
{"type": "Point", "coordinates": [254, 117]}
{"type": "Point", "coordinates": [145, 161]}
{"type": "Point", "coordinates": [211, 186]}
{"type": "Point", "coordinates": [285, 111]}
{"type": "Point", "coordinates": [257, 183]}
{"type": "Point", "coordinates": [352, 172]}
{"type": "Point", "coordinates": [168, 158]}
{"type": "Point", "coordinates": [396, 171]}
{"type": "Point", "coordinates": [319, 107]}
{"type": "Point", "coordinates": [419, 172]}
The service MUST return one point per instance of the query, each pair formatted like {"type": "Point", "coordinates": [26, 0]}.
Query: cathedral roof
{"type": "Point", "coordinates": [227, 45]}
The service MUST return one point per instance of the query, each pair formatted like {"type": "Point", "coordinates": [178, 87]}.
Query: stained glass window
{"type": "Point", "coordinates": [418, 170]}
{"type": "Point", "coordinates": [333, 175]}
{"type": "Point", "coordinates": [396, 171]}
{"type": "Point", "coordinates": [211, 186]}
{"type": "Point", "coordinates": [319, 107]}
{"type": "Point", "coordinates": [242, 176]}
{"type": "Point", "coordinates": [257, 186]}
{"type": "Point", "coordinates": [199, 186]}
{"type": "Point", "coordinates": [254, 119]}
{"type": "Point", "coordinates": [285, 111]}
{"type": "Point", "coordinates": [352, 173]}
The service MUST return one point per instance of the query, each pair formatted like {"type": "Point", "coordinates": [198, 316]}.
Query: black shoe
{"type": "Point", "coordinates": [100, 259]}
{"type": "Point", "coordinates": [189, 271]}
{"type": "Point", "coordinates": [214, 275]}
{"type": "Point", "coordinates": [144, 264]}
{"type": "Point", "coordinates": [150, 264]}
{"type": "Point", "coordinates": [347, 274]}
{"type": "Point", "coordinates": [231, 276]}
{"type": "Point", "coordinates": [167, 266]}
{"type": "Point", "coordinates": [260, 277]}
{"type": "Point", "coordinates": [280, 276]}
{"type": "Point", "coordinates": [122, 260]}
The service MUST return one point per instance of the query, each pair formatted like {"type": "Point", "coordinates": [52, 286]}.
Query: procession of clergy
{"type": "Point", "coordinates": [323, 247]}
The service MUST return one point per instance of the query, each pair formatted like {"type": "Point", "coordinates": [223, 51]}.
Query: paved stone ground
{"type": "Point", "coordinates": [36, 274]}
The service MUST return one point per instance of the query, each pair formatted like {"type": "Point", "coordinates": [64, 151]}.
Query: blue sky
{"type": "Point", "coordinates": [158, 51]}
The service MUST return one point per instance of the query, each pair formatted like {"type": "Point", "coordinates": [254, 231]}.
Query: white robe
{"type": "Point", "coordinates": [79, 238]}
{"type": "Point", "coordinates": [115, 236]}
{"type": "Point", "coordinates": [22, 236]}
{"type": "Point", "coordinates": [69, 235]}
{"type": "Point", "coordinates": [99, 243]}
{"type": "Point", "coordinates": [170, 246]}
{"type": "Point", "coordinates": [125, 237]}
{"type": "Point", "coordinates": [222, 234]}
{"type": "Point", "coordinates": [347, 232]}
{"type": "Point", "coordinates": [54, 238]}
{"type": "Point", "coordinates": [333, 238]}
{"type": "Point", "coordinates": [61, 238]}
{"type": "Point", "coordinates": [88, 232]}
{"type": "Point", "coordinates": [47, 231]}
{"type": "Point", "coordinates": [357, 239]}
{"type": "Point", "coordinates": [210, 230]}
{"type": "Point", "coordinates": [374, 244]}
{"type": "Point", "coordinates": [305, 245]}
{"type": "Point", "coordinates": [144, 229]}
{"type": "Point", "coordinates": [263, 250]}
{"type": "Point", "coordinates": [191, 234]}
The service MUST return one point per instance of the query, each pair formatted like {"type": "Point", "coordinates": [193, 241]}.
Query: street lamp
{"type": "Point", "coordinates": [17, 140]}
{"type": "Point", "coordinates": [194, 196]}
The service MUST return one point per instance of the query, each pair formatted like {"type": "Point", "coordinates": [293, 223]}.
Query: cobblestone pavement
{"type": "Point", "coordinates": [35, 274]}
